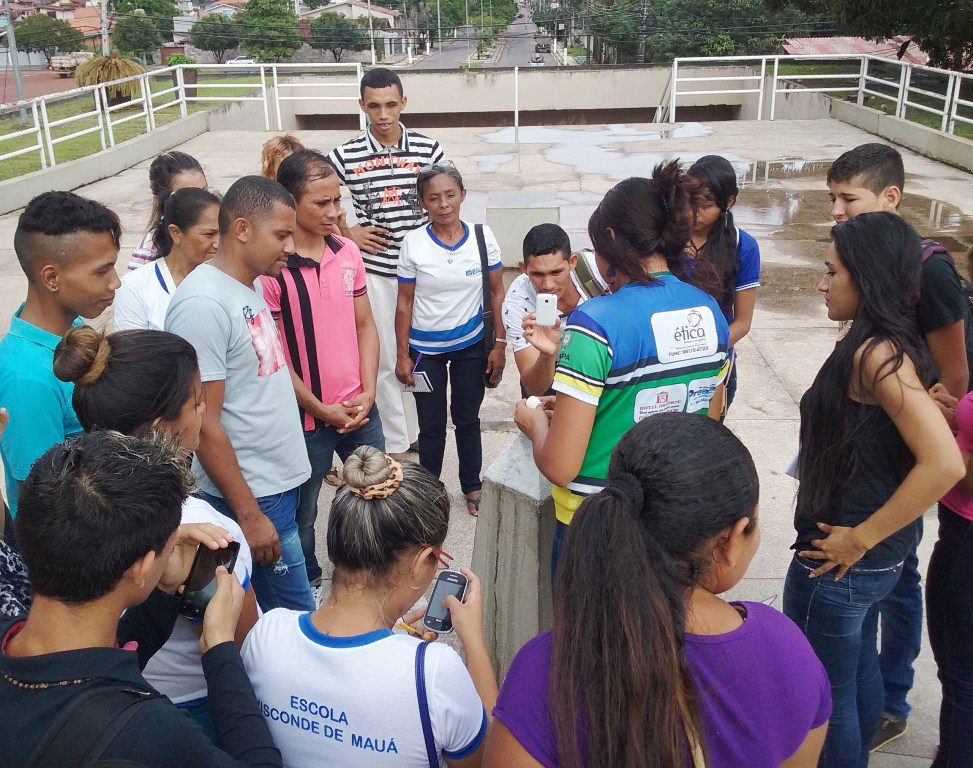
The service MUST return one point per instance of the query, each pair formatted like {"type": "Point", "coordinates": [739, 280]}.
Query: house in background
{"type": "Point", "coordinates": [888, 48]}
{"type": "Point", "coordinates": [354, 9]}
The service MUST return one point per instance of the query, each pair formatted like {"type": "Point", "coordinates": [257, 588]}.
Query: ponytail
{"type": "Point", "coordinates": [633, 553]}
{"type": "Point", "coordinates": [717, 262]}
{"type": "Point", "coordinates": [182, 209]}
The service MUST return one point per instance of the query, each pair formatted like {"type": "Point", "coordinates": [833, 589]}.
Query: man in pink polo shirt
{"type": "Point", "coordinates": [321, 307]}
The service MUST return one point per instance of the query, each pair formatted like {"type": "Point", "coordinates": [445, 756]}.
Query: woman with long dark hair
{"type": "Point", "coordinates": [656, 344]}
{"type": "Point", "coordinates": [646, 665]}
{"type": "Point", "coordinates": [186, 235]}
{"type": "Point", "coordinates": [730, 255]}
{"type": "Point", "coordinates": [875, 454]}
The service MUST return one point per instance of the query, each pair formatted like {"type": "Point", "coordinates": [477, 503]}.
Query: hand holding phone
{"type": "Point", "coordinates": [223, 611]}
{"type": "Point", "coordinates": [202, 582]}
{"type": "Point", "coordinates": [546, 313]}
{"type": "Point", "coordinates": [448, 583]}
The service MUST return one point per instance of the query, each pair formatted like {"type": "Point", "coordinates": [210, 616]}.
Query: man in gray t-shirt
{"type": "Point", "coordinates": [251, 458]}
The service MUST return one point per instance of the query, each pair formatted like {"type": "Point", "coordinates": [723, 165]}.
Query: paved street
{"type": "Point", "coordinates": [517, 50]}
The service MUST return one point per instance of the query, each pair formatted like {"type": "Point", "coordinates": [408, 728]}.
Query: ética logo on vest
{"type": "Point", "coordinates": [692, 330]}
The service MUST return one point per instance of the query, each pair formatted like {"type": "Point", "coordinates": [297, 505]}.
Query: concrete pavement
{"type": "Point", "coordinates": [574, 167]}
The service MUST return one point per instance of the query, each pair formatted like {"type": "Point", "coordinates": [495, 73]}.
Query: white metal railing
{"type": "Point", "coordinates": [761, 76]}
{"type": "Point", "coordinates": [276, 84]}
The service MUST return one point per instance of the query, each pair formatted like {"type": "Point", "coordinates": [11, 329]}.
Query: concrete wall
{"type": "Point", "coordinates": [953, 150]}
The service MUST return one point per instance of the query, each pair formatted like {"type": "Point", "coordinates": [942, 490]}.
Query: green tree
{"type": "Point", "coordinates": [39, 32]}
{"type": "Point", "coordinates": [137, 34]}
{"type": "Point", "coordinates": [160, 12]}
{"type": "Point", "coordinates": [268, 30]}
{"type": "Point", "coordinates": [216, 34]}
{"type": "Point", "coordinates": [333, 32]}
{"type": "Point", "coordinates": [312, 4]}
{"type": "Point", "coordinates": [944, 30]}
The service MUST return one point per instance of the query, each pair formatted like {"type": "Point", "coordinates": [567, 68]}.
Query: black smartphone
{"type": "Point", "coordinates": [201, 584]}
{"type": "Point", "coordinates": [437, 616]}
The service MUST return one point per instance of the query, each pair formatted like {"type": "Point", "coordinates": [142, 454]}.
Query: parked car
{"type": "Point", "coordinates": [66, 63]}
{"type": "Point", "coordinates": [242, 60]}
{"type": "Point", "coordinates": [537, 60]}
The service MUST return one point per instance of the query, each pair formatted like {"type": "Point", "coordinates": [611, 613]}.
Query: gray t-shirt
{"type": "Point", "coordinates": [237, 342]}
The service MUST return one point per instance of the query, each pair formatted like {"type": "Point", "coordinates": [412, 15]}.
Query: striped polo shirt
{"type": "Point", "coordinates": [382, 182]}
{"type": "Point", "coordinates": [314, 306]}
{"type": "Point", "coordinates": [650, 348]}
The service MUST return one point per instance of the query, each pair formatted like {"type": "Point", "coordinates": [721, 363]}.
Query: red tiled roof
{"type": "Point", "coordinates": [87, 20]}
{"type": "Point", "coordinates": [888, 47]}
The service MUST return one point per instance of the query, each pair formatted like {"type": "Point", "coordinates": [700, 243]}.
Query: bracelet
{"type": "Point", "coordinates": [499, 341]}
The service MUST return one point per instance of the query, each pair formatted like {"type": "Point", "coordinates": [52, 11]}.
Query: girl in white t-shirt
{"type": "Point", "coordinates": [134, 382]}
{"type": "Point", "coordinates": [443, 327]}
{"type": "Point", "coordinates": [186, 235]}
{"type": "Point", "coordinates": [337, 686]}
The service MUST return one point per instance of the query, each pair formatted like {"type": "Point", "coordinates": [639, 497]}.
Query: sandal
{"type": "Point", "coordinates": [473, 504]}
{"type": "Point", "coordinates": [333, 478]}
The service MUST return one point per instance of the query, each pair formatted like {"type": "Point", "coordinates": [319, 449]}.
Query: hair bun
{"type": "Point", "coordinates": [365, 467]}
{"type": "Point", "coordinates": [81, 356]}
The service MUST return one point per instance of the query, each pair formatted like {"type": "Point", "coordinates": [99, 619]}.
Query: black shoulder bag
{"type": "Point", "coordinates": [489, 327]}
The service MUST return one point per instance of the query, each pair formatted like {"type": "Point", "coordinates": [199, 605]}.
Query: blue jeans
{"type": "Point", "coordinates": [321, 446]}
{"type": "Point", "coordinates": [901, 617]}
{"type": "Point", "coordinates": [840, 620]}
{"type": "Point", "coordinates": [282, 584]}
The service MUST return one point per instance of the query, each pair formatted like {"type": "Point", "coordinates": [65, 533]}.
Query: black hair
{"type": "Point", "coordinates": [162, 171]}
{"type": "Point", "coordinates": [93, 506]}
{"type": "Point", "coordinates": [647, 216]}
{"type": "Point", "coordinates": [301, 167]}
{"type": "Point", "coordinates": [717, 179]}
{"type": "Point", "coordinates": [59, 214]}
{"type": "Point", "coordinates": [633, 552]}
{"type": "Point", "coordinates": [367, 536]}
{"type": "Point", "coordinates": [876, 166]}
{"type": "Point", "coordinates": [380, 77]}
{"type": "Point", "coordinates": [126, 380]}
{"type": "Point", "coordinates": [252, 198]}
{"type": "Point", "coordinates": [546, 238]}
{"type": "Point", "coordinates": [182, 208]}
{"type": "Point", "coordinates": [882, 253]}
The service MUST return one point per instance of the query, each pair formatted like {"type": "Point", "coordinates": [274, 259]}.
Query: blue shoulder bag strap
{"type": "Point", "coordinates": [431, 752]}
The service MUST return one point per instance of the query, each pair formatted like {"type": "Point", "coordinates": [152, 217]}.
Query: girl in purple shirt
{"type": "Point", "coordinates": [646, 664]}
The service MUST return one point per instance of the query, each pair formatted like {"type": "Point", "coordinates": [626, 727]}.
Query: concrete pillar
{"type": "Point", "coordinates": [512, 552]}
{"type": "Point", "coordinates": [510, 216]}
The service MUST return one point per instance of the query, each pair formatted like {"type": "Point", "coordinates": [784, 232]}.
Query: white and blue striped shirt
{"type": "Point", "coordinates": [447, 313]}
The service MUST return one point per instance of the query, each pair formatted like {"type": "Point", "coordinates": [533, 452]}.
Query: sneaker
{"type": "Point", "coordinates": [890, 729]}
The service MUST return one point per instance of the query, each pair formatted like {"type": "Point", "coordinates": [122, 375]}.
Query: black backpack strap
{"type": "Point", "coordinates": [87, 726]}
{"type": "Point", "coordinates": [489, 329]}
{"type": "Point", "coordinates": [432, 754]}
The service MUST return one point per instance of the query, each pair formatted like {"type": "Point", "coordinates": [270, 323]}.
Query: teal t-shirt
{"type": "Point", "coordinates": [39, 403]}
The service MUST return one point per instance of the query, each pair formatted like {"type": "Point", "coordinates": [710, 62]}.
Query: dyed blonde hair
{"type": "Point", "coordinates": [275, 149]}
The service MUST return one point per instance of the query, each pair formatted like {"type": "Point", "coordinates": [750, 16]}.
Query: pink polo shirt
{"type": "Point", "coordinates": [957, 499]}
{"type": "Point", "coordinates": [314, 306]}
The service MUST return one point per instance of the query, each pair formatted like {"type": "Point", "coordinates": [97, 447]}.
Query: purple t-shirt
{"type": "Point", "coordinates": [761, 690]}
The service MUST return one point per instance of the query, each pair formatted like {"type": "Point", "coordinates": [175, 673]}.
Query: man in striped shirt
{"type": "Point", "coordinates": [379, 167]}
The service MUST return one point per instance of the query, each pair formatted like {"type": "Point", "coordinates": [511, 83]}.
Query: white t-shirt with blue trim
{"type": "Point", "coordinates": [142, 299]}
{"type": "Point", "coordinates": [447, 313]}
{"type": "Point", "coordinates": [351, 702]}
{"type": "Point", "coordinates": [176, 669]}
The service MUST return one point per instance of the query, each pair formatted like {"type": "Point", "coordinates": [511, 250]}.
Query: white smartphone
{"type": "Point", "coordinates": [546, 309]}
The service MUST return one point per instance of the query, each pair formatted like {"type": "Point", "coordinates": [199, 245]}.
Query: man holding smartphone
{"type": "Point", "coordinates": [549, 267]}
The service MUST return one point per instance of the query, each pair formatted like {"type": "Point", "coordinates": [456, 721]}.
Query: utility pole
{"type": "Point", "coordinates": [104, 28]}
{"type": "Point", "coordinates": [439, 27]}
{"type": "Point", "coordinates": [640, 56]}
{"type": "Point", "coordinates": [467, 4]}
{"type": "Point", "coordinates": [14, 57]}
{"type": "Point", "coordinates": [371, 32]}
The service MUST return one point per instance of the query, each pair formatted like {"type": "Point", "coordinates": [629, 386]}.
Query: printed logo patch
{"type": "Point", "coordinates": [685, 334]}
{"type": "Point", "coordinates": [266, 342]}
{"type": "Point", "coordinates": [669, 399]}
{"type": "Point", "coordinates": [348, 278]}
{"type": "Point", "coordinates": [701, 391]}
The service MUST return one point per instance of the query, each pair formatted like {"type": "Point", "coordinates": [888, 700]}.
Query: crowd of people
{"type": "Point", "coordinates": [263, 346]}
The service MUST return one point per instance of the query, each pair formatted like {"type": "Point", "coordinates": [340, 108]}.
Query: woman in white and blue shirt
{"type": "Point", "coordinates": [186, 235]}
{"type": "Point", "coordinates": [439, 324]}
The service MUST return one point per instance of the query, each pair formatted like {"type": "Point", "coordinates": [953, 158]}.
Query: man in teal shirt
{"type": "Point", "coordinates": [67, 246]}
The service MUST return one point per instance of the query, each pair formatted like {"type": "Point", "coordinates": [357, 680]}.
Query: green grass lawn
{"type": "Point", "coordinates": [88, 144]}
